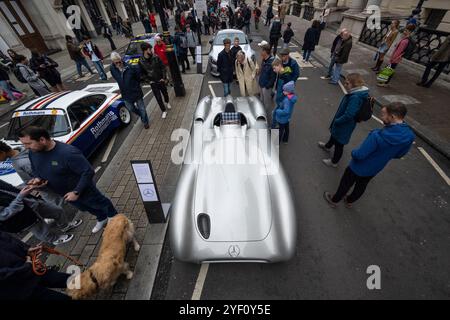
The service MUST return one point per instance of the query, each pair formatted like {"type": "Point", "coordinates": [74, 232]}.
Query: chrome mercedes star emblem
{"type": "Point", "coordinates": [234, 251]}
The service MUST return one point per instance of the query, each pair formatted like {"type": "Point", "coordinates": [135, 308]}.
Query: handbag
{"type": "Point", "coordinates": [385, 74]}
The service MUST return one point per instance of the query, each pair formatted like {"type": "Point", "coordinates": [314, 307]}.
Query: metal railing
{"type": "Point", "coordinates": [427, 41]}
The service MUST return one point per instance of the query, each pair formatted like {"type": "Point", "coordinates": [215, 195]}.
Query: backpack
{"type": "Point", "coordinates": [385, 74]}
{"type": "Point", "coordinates": [183, 41]}
{"type": "Point", "coordinates": [410, 48]}
{"type": "Point", "coordinates": [366, 110]}
{"type": "Point", "coordinates": [19, 75]}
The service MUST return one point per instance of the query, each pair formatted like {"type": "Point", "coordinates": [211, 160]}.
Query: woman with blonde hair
{"type": "Point", "coordinates": [246, 71]}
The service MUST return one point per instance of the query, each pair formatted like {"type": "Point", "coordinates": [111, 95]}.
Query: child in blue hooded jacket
{"type": "Point", "coordinates": [283, 112]}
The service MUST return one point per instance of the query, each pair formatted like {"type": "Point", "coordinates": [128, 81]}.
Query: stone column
{"type": "Point", "coordinates": [356, 6]}
{"type": "Point", "coordinates": [331, 3]}
{"type": "Point", "coordinates": [121, 9]}
{"type": "Point", "coordinates": [372, 3]}
{"type": "Point", "coordinates": [319, 3]}
{"type": "Point", "coordinates": [87, 19]}
{"type": "Point", "coordinates": [103, 12]}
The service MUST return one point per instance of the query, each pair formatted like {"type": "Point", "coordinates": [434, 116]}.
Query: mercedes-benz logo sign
{"type": "Point", "coordinates": [234, 251]}
{"type": "Point", "coordinates": [148, 192]}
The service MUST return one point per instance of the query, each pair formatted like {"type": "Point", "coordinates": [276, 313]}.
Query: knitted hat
{"type": "Point", "coordinates": [289, 87]}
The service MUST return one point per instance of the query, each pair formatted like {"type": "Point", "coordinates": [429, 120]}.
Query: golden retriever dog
{"type": "Point", "coordinates": [110, 263]}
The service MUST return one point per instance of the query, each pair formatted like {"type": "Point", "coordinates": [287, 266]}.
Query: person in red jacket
{"type": "Point", "coordinates": [182, 21]}
{"type": "Point", "coordinates": [152, 17]}
{"type": "Point", "coordinates": [160, 50]}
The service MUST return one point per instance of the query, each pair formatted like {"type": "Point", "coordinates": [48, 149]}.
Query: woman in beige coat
{"type": "Point", "coordinates": [246, 71]}
{"type": "Point", "coordinates": [386, 43]}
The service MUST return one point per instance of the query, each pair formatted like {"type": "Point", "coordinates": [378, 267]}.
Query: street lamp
{"type": "Point", "coordinates": [178, 85]}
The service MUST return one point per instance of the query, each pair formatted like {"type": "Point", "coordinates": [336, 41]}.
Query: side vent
{"type": "Point", "coordinates": [204, 225]}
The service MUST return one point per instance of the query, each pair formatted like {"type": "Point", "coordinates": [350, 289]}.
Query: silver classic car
{"type": "Point", "coordinates": [217, 46]}
{"type": "Point", "coordinates": [233, 202]}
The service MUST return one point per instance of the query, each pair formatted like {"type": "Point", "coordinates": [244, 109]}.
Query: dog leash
{"type": "Point", "coordinates": [39, 268]}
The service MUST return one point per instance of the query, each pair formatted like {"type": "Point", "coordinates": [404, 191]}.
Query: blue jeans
{"type": "Point", "coordinates": [100, 69]}
{"type": "Point", "coordinates": [336, 72]}
{"type": "Point", "coordinates": [82, 62]}
{"type": "Point", "coordinates": [306, 54]}
{"type": "Point", "coordinates": [330, 68]}
{"type": "Point", "coordinates": [138, 107]}
{"type": "Point", "coordinates": [96, 203]}
{"type": "Point", "coordinates": [5, 86]}
{"type": "Point", "coordinates": [226, 89]}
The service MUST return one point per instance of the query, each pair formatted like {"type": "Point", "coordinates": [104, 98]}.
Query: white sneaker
{"type": "Point", "coordinates": [164, 115]}
{"type": "Point", "coordinates": [322, 145]}
{"type": "Point", "coordinates": [169, 106]}
{"type": "Point", "coordinates": [99, 225]}
{"type": "Point", "coordinates": [63, 239]}
{"type": "Point", "coordinates": [72, 225]}
{"type": "Point", "coordinates": [14, 102]}
{"type": "Point", "coordinates": [329, 163]}
{"type": "Point", "coordinates": [49, 221]}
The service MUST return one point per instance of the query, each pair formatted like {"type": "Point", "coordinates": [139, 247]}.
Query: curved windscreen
{"type": "Point", "coordinates": [56, 125]}
{"type": "Point", "coordinates": [231, 35]}
{"type": "Point", "coordinates": [134, 48]}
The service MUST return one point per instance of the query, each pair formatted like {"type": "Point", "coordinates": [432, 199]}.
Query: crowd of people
{"type": "Point", "coordinates": [58, 179]}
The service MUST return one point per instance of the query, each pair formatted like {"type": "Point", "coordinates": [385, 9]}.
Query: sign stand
{"type": "Point", "coordinates": [199, 59]}
{"type": "Point", "coordinates": [148, 190]}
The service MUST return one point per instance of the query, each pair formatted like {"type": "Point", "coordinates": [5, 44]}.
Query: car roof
{"type": "Point", "coordinates": [230, 31]}
{"type": "Point", "coordinates": [60, 100]}
{"type": "Point", "coordinates": [143, 36]}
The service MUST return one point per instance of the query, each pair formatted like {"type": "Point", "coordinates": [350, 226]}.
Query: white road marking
{"type": "Point", "coordinates": [435, 165]}
{"type": "Point", "coordinates": [97, 169]}
{"type": "Point", "coordinates": [108, 150]}
{"type": "Point", "coordinates": [212, 91]}
{"type": "Point", "coordinates": [216, 81]}
{"type": "Point", "coordinates": [200, 282]}
{"type": "Point", "coordinates": [376, 119]}
{"type": "Point", "coordinates": [27, 237]}
{"type": "Point", "coordinates": [342, 87]}
{"type": "Point", "coordinates": [302, 78]}
{"type": "Point", "coordinates": [145, 96]}
{"type": "Point", "coordinates": [3, 125]}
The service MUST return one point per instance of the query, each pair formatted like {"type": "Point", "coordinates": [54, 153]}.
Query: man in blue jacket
{"type": "Point", "coordinates": [344, 122]}
{"type": "Point", "coordinates": [64, 170]}
{"type": "Point", "coordinates": [267, 78]}
{"type": "Point", "coordinates": [129, 80]}
{"type": "Point", "coordinates": [391, 142]}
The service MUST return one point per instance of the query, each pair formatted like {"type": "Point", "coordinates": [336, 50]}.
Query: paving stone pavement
{"type": "Point", "coordinates": [119, 184]}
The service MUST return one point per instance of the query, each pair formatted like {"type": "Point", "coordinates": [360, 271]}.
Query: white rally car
{"type": "Point", "coordinates": [83, 118]}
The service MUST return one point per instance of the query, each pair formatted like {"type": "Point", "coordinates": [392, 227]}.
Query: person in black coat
{"type": "Point", "coordinates": [287, 35]}
{"type": "Point", "coordinates": [225, 67]}
{"type": "Point", "coordinates": [311, 39]}
{"type": "Point", "coordinates": [275, 34]}
{"type": "Point", "coordinates": [17, 279]}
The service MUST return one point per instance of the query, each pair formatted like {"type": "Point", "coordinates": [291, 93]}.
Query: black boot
{"type": "Point", "coordinates": [377, 66]}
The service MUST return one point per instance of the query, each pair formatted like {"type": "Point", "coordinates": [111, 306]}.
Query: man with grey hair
{"type": "Point", "coordinates": [336, 45]}
{"type": "Point", "coordinates": [129, 80]}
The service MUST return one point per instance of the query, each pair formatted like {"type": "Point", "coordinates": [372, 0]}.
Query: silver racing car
{"type": "Point", "coordinates": [233, 202]}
